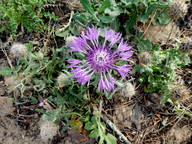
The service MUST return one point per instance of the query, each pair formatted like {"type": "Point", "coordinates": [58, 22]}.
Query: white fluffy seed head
{"type": "Point", "coordinates": [63, 80]}
{"type": "Point", "coordinates": [19, 50]}
{"type": "Point", "coordinates": [144, 57]}
{"type": "Point", "coordinates": [128, 91]}
{"type": "Point", "coordinates": [69, 40]}
{"type": "Point", "coordinates": [48, 130]}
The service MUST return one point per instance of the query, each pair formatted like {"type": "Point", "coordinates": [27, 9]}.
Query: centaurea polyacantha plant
{"type": "Point", "coordinates": [100, 56]}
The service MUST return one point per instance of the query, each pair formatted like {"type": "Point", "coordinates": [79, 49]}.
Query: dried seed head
{"type": "Point", "coordinates": [48, 130]}
{"type": "Point", "coordinates": [128, 90]}
{"type": "Point", "coordinates": [177, 9]}
{"type": "Point", "coordinates": [19, 50]}
{"type": "Point", "coordinates": [63, 80]}
{"type": "Point", "coordinates": [180, 93]}
{"type": "Point", "coordinates": [144, 57]}
{"type": "Point", "coordinates": [186, 46]}
{"type": "Point", "coordinates": [69, 40]}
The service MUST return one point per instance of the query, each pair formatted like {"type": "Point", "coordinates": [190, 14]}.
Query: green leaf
{"type": "Point", "coordinates": [87, 6]}
{"type": "Point", "coordinates": [128, 2]}
{"type": "Point", "coordinates": [115, 12]}
{"type": "Point", "coordinates": [144, 45]}
{"type": "Point", "coordinates": [82, 18]}
{"type": "Point", "coordinates": [145, 16]}
{"type": "Point", "coordinates": [164, 19]}
{"type": "Point", "coordinates": [61, 33]}
{"type": "Point", "coordinates": [137, 68]}
{"type": "Point", "coordinates": [89, 126]}
{"type": "Point", "coordinates": [6, 71]}
{"type": "Point", "coordinates": [110, 139]}
{"type": "Point", "coordinates": [40, 111]}
{"type": "Point", "coordinates": [120, 63]}
{"type": "Point", "coordinates": [94, 120]}
{"type": "Point", "coordinates": [115, 25]}
{"type": "Point", "coordinates": [104, 5]}
{"type": "Point", "coordinates": [34, 100]}
{"type": "Point", "coordinates": [131, 22]}
{"type": "Point", "coordinates": [106, 19]}
{"type": "Point", "coordinates": [94, 133]}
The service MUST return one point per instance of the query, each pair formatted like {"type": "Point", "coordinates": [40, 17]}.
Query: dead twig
{"type": "Point", "coordinates": [112, 125]}
{"type": "Point", "coordinates": [116, 130]}
{"type": "Point", "coordinates": [149, 23]}
{"type": "Point", "coordinates": [65, 26]}
{"type": "Point", "coordinates": [4, 51]}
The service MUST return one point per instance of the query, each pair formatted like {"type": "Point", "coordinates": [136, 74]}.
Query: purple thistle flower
{"type": "Point", "coordinates": [100, 57]}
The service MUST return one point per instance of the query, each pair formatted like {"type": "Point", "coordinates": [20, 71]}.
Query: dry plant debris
{"type": "Point", "coordinates": [178, 9]}
{"type": "Point", "coordinates": [179, 135]}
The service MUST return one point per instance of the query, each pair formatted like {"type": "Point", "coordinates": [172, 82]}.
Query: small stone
{"type": "Point", "coordinates": [48, 130]}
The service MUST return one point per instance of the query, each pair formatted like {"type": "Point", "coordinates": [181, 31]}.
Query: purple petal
{"type": "Point", "coordinates": [82, 75]}
{"type": "Point", "coordinates": [112, 36]}
{"type": "Point", "coordinates": [123, 46]}
{"type": "Point", "coordinates": [123, 70]}
{"type": "Point", "coordinates": [93, 34]}
{"type": "Point", "coordinates": [74, 62]}
{"type": "Point", "coordinates": [125, 55]}
{"type": "Point", "coordinates": [106, 84]}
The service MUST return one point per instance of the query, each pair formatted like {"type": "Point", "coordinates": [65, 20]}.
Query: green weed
{"type": "Point", "coordinates": [27, 13]}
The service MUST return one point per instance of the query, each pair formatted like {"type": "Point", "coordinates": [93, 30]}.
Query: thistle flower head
{"type": "Point", "coordinates": [100, 56]}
